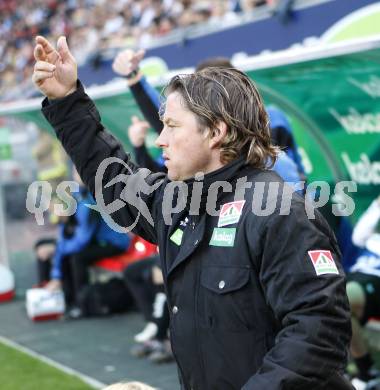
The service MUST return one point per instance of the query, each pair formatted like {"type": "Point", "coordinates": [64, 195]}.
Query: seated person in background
{"type": "Point", "coordinates": [82, 240]}
{"type": "Point", "coordinates": [44, 250]}
{"type": "Point", "coordinates": [363, 287]}
{"type": "Point", "coordinates": [45, 247]}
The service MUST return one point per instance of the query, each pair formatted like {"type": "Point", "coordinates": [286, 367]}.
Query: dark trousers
{"type": "Point", "coordinates": [147, 295]}
{"type": "Point", "coordinates": [44, 266]}
{"type": "Point", "coordinates": [161, 315]}
{"type": "Point", "coordinates": [43, 270]}
{"type": "Point", "coordinates": [75, 268]}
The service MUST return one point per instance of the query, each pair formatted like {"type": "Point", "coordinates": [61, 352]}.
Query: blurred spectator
{"type": "Point", "coordinates": [282, 136]}
{"type": "Point", "coordinates": [91, 25]}
{"type": "Point", "coordinates": [51, 163]}
{"type": "Point", "coordinates": [51, 159]}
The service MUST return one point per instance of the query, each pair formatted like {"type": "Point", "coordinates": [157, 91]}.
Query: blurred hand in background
{"type": "Point", "coordinates": [127, 61]}
{"type": "Point", "coordinates": [137, 131]}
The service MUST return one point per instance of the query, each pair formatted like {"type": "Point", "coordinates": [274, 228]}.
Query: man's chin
{"type": "Point", "coordinates": [173, 176]}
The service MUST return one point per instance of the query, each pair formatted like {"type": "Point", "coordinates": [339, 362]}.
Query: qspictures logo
{"type": "Point", "coordinates": [131, 194]}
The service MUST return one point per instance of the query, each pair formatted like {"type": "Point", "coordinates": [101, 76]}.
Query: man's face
{"type": "Point", "coordinates": [186, 150]}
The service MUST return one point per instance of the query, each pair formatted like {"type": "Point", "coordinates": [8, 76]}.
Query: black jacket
{"type": "Point", "coordinates": [248, 309]}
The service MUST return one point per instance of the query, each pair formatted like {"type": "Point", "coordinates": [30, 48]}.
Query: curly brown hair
{"type": "Point", "coordinates": [228, 95]}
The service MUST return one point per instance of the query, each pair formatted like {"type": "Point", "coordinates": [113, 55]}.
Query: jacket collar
{"type": "Point", "coordinates": [226, 173]}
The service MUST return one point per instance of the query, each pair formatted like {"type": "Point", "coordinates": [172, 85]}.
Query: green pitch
{"type": "Point", "coordinates": [18, 371]}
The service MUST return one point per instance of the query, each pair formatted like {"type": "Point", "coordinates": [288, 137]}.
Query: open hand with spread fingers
{"type": "Point", "coordinates": [55, 72]}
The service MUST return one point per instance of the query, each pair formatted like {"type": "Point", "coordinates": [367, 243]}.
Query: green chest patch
{"type": "Point", "coordinates": [176, 237]}
{"type": "Point", "coordinates": [223, 237]}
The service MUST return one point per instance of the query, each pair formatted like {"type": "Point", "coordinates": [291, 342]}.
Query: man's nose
{"type": "Point", "coordinates": [161, 140]}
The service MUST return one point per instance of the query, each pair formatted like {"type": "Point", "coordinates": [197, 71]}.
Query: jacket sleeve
{"type": "Point", "coordinates": [366, 225]}
{"type": "Point", "coordinates": [148, 100]}
{"type": "Point", "coordinates": [311, 310]}
{"type": "Point", "coordinates": [144, 159]}
{"type": "Point", "coordinates": [126, 195]}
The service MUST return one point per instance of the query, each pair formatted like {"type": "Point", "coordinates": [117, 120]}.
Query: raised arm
{"type": "Point", "coordinates": [77, 123]}
{"type": "Point", "coordinates": [126, 64]}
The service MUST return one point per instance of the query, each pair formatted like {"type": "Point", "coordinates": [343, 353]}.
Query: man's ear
{"type": "Point", "coordinates": [219, 133]}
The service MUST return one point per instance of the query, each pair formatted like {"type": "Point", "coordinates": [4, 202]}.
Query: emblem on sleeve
{"type": "Point", "coordinates": [323, 262]}
{"type": "Point", "coordinates": [230, 213]}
